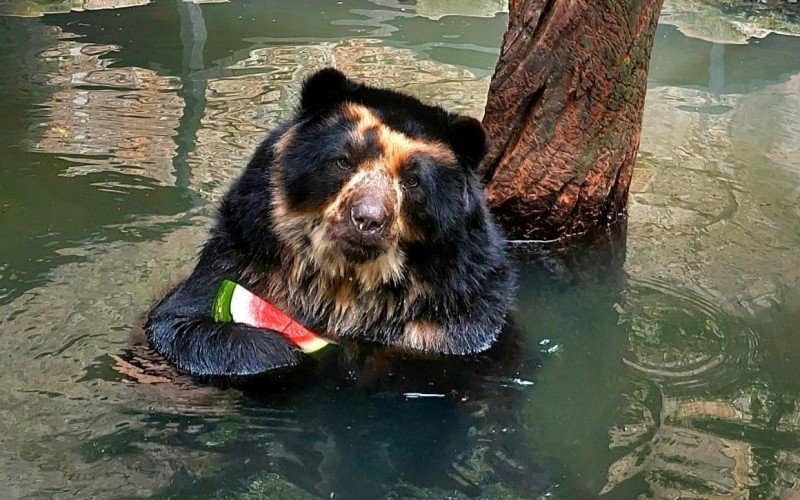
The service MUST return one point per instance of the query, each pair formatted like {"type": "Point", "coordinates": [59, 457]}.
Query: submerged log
{"type": "Point", "coordinates": [564, 113]}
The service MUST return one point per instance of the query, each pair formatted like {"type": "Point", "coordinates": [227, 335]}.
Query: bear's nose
{"type": "Point", "coordinates": [369, 216]}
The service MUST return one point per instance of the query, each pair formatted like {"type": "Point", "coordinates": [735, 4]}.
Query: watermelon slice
{"type": "Point", "coordinates": [235, 304]}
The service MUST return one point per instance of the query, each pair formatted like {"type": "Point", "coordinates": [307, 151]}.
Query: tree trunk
{"type": "Point", "coordinates": [564, 113]}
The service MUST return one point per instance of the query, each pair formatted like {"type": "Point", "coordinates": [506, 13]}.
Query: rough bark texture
{"type": "Point", "coordinates": [564, 113]}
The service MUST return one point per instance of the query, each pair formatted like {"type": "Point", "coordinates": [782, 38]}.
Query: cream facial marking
{"type": "Point", "coordinates": [396, 148]}
{"type": "Point", "coordinates": [396, 152]}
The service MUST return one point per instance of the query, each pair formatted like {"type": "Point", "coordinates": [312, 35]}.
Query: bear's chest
{"type": "Point", "coordinates": [337, 306]}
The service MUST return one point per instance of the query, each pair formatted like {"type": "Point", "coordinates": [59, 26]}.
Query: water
{"type": "Point", "coordinates": [661, 364]}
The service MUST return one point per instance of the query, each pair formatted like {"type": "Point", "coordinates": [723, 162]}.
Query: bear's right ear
{"type": "Point", "coordinates": [468, 139]}
{"type": "Point", "coordinates": [324, 89]}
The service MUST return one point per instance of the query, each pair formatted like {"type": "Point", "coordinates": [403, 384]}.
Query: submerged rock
{"type": "Point", "coordinates": [437, 9]}
{"type": "Point", "coordinates": [732, 21]}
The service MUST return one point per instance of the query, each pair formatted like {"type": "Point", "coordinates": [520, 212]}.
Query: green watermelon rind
{"type": "Point", "coordinates": [221, 310]}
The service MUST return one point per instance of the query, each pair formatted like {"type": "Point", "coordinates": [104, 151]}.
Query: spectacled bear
{"type": "Point", "coordinates": [362, 218]}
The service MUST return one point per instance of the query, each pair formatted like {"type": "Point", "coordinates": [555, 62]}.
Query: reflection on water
{"type": "Point", "coordinates": [663, 364]}
{"type": "Point", "coordinates": [101, 117]}
{"type": "Point", "coordinates": [27, 8]}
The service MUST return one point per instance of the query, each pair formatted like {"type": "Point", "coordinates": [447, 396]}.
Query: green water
{"type": "Point", "coordinates": [664, 364]}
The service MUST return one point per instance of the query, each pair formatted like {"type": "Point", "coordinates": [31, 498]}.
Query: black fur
{"type": "Point", "coordinates": [461, 258]}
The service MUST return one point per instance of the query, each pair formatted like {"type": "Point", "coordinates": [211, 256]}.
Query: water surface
{"type": "Point", "coordinates": [662, 364]}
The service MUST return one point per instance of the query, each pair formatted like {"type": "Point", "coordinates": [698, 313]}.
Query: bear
{"type": "Point", "coordinates": [360, 217]}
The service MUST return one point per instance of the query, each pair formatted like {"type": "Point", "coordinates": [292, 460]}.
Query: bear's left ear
{"type": "Point", "coordinates": [324, 89]}
{"type": "Point", "coordinates": [468, 140]}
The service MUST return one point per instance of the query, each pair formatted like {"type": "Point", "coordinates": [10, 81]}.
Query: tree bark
{"type": "Point", "coordinates": [564, 113]}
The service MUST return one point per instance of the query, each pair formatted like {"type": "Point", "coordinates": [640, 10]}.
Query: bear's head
{"type": "Point", "coordinates": [363, 172]}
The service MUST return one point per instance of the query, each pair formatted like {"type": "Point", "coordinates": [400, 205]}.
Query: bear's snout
{"type": "Point", "coordinates": [369, 216]}
{"type": "Point", "coordinates": [364, 228]}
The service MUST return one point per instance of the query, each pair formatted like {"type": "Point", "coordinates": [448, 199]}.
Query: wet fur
{"type": "Point", "coordinates": [440, 282]}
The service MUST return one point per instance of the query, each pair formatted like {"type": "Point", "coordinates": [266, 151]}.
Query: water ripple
{"type": "Point", "coordinates": [683, 339]}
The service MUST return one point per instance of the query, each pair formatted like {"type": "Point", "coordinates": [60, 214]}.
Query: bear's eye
{"type": "Point", "coordinates": [411, 182]}
{"type": "Point", "coordinates": [343, 164]}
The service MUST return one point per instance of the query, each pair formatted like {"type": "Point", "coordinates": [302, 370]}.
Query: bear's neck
{"type": "Point", "coordinates": [353, 300]}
